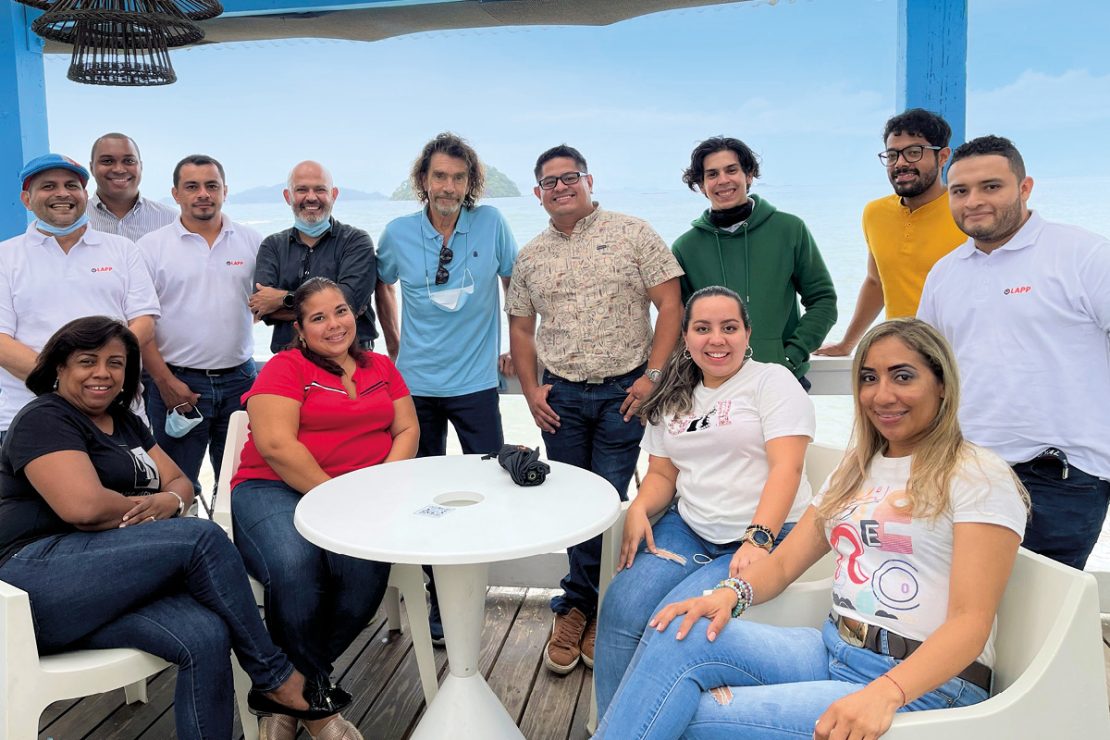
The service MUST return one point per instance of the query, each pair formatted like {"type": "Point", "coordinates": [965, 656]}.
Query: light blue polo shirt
{"type": "Point", "coordinates": [449, 353]}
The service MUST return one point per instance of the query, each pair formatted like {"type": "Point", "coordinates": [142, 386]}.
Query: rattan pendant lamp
{"type": "Point", "coordinates": [122, 42]}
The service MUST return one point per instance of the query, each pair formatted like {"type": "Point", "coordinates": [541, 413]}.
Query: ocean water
{"type": "Point", "coordinates": [830, 209]}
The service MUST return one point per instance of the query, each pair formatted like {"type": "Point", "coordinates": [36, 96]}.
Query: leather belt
{"type": "Point", "coordinates": [210, 373]}
{"type": "Point", "coordinates": [864, 635]}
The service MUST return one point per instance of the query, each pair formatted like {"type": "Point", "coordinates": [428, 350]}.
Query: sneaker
{"type": "Point", "coordinates": [587, 644]}
{"type": "Point", "coordinates": [563, 652]}
{"type": "Point", "coordinates": [435, 623]}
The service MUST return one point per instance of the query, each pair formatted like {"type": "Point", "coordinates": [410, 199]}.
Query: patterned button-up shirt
{"type": "Point", "coordinates": [590, 290]}
{"type": "Point", "coordinates": [144, 217]}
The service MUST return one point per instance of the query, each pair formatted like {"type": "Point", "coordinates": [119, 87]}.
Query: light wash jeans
{"type": "Point", "coordinates": [175, 588]}
{"type": "Point", "coordinates": [636, 593]}
{"type": "Point", "coordinates": [780, 679]}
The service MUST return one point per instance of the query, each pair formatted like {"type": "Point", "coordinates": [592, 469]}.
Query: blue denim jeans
{"type": "Point", "coordinates": [592, 434]}
{"type": "Point", "coordinates": [175, 588]}
{"type": "Point", "coordinates": [317, 602]}
{"type": "Point", "coordinates": [780, 679]}
{"type": "Point", "coordinates": [1067, 512]}
{"type": "Point", "coordinates": [476, 418]}
{"type": "Point", "coordinates": [653, 581]}
{"type": "Point", "coordinates": [219, 399]}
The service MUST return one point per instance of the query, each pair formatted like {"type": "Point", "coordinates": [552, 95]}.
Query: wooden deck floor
{"type": "Point", "coordinates": [379, 669]}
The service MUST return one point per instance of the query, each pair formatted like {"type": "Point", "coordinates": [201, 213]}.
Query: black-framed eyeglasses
{"type": "Point", "coordinates": [568, 178]}
{"type": "Point", "coordinates": [911, 154]}
{"type": "Point", "coordinates": [445, 257]}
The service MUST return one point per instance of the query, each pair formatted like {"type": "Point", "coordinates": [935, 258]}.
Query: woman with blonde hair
{"type": "Point", "coordinates": [925, 527]}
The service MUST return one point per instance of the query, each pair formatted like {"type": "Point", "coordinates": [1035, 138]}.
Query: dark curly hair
{"type": "Point", "coordinates": [919, 122]}
{"type": "Point", "coordinates": [453, 146]}
{"type": "Point", "coordinates": [82, 335]}
{"type": "Point", "coordinates": [694, 175]}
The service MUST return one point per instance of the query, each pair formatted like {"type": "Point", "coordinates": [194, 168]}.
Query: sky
{"type": "Point", "coordinates": [807, 83]}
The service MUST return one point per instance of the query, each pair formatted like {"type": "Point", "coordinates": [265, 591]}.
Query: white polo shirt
{"type": "Point", "coordinates": [1029, 323]}
{"type": "Point", "coordinates": [205, 323]}
{"type": "Point", "coordinates": [42, 288]}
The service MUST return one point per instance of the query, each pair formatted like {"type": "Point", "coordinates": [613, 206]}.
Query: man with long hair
{"type": "Point", "coordinates": [449, 257]}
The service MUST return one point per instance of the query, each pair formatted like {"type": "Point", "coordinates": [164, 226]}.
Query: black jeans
{"type": "Point", "coordinates": [1067, 512]}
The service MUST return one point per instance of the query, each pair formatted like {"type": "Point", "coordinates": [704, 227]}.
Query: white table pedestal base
{"type": "Point", "coordinates": [465, 706]}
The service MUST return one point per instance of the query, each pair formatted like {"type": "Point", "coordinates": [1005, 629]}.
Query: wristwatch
{"type": "Point", "coordinates": [654, 374]}
{"type": "Point", "coordinates": [759, 536]}
{"type": "Point", "coordinates": [287, 301]}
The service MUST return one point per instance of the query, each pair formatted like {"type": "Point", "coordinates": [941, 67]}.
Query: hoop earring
{"type": "Point", "coordinates": [686, 354]}
{"type": "Point", "coordinates": [748, 353]}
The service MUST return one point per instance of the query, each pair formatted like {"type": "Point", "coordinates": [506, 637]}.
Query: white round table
{"type": "Point", "coordinates": [458, 514]}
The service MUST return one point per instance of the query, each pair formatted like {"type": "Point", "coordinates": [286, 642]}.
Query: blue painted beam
{"type": "Point", "coordinates": [23, 133]}
{"type": "Point", "coordinates": [932, 60]}
{"type": "Point", "coordinates": [270, 7]}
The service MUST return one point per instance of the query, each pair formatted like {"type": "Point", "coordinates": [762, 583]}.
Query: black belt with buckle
{"type": "Point", "coordinates": [210, 373]}
{"type": "Point", "coordinates": [870, 637]}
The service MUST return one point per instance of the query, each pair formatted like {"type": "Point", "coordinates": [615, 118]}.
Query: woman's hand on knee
{"type": "Point", "coordinates": [862, 715]}
{"type": "Point", "coordinates": [637, 527]}
{"type": "Point", "coordinates": [745, 556]}
{"type": "Point", "coordinates": [716, 607]}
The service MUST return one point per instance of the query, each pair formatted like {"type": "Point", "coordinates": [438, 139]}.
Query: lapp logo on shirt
{"type": "Point", "coordinates": [1019, 289]}
{"type": "Point", "coordinates": [106, 268]}
{"type": "Point", "coordinates": [235, 263]}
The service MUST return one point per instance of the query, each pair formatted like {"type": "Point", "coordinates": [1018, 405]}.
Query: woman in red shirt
{"type": "Point", "coordinates": [316, 411]}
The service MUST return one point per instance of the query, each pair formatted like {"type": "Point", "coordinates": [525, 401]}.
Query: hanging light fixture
{"type": "Point", "coordinates": [122, 42]}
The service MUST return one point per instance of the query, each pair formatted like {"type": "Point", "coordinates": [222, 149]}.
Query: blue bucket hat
{"type": "Point", "coordinates": [51, 162]}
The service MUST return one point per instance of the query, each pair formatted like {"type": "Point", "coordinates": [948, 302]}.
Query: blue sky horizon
{"type": "Point", "coordinates": [807, 83]}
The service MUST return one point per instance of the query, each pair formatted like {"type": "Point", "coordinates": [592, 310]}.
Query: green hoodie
{"type": "Point", "coordinates": [771, 261]}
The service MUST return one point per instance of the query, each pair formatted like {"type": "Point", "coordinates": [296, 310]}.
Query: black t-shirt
{"type": "Point", "coordinates": [50, 424]}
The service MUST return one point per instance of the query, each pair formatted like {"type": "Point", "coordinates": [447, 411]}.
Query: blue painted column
{"type": "Point", "coordinates": [932, 60]}
{"type": "Point", "coordinates": [23, 133]}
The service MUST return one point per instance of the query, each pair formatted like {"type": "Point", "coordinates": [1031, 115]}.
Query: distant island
{"type": "Point", "coordinates": [273, 194]}
{"type": "Point", "coordinates": [498, 185]}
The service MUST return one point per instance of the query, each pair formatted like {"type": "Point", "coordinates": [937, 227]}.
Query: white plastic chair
{"type": "Point", "coordinates": [404, 580]}
{"type": "Point", "coordinates": [813, 586]}
{"type": "Point", "coordinates": [30, 682]}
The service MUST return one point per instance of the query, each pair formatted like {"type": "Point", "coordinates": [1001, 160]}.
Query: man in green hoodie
{"type": "Point", "coordinates": [767, 256]}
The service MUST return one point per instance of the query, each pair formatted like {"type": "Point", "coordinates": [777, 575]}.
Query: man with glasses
{"type": "Point", "coordinates": [450, 257]}
{"type": "Point", "coordinates": [116, 207]}
{"type": "Point", "coordinates": [1025, 304]}
{"type": "Point", "coordinates": [591, 276]}
{"type": "Point", "coordinates": [202, 266]}
{"type": "Point", "coordinates": [766, 255]}
{"type": "Point", "coordinates": [317, 245]}
{"type": "Point", "coordinates": [906, 232]}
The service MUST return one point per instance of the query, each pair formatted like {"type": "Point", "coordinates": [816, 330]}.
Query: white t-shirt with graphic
{"type": "Point", "coordinates": [893, 570]}
{"type": "Point", "coordinates": [719, 447]}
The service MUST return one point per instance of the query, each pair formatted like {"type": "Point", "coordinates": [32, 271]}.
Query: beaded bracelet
{"type": "Point", "coordinates": [743, 591]}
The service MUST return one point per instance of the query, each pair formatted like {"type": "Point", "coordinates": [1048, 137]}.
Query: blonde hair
{"type": "Point", "coordinates": [942, 448]}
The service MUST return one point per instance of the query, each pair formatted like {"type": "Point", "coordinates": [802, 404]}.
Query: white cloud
{"type": "Point", "coordinates": [1036, 101]}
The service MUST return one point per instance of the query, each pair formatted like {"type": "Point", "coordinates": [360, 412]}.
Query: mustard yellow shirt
{"type": "Point", "coordinates": [906, 244]}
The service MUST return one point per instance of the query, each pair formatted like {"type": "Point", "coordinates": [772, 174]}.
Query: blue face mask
{"type": "Point", "coordinates": [56, 231]}
{"type": "Point", "coordinates": [178, 424]}
{"type": "Point", "coordinates": [312, 230]}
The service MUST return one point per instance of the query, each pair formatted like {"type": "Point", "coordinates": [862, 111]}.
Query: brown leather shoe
{"type": "Point", "coordinates": [587, 644]}
{"type": "Point", "coordinates": [563, 652]}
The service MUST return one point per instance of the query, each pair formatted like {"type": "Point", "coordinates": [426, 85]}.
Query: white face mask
{"type": "Point", "coordinates": [179, 424]}
{"type": "Point", "coordinates": [452, 299]}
